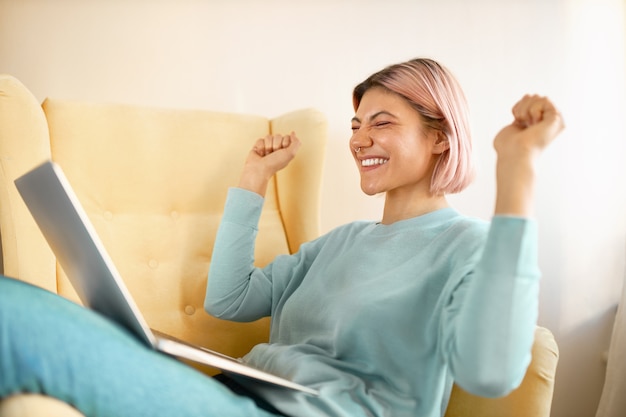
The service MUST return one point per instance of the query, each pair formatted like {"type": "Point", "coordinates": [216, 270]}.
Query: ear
{"type": "Point", "coordinates": [441, 143]}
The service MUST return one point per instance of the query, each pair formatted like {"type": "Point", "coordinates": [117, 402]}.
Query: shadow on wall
{"type": "Point", "coordinates": [589, 340]}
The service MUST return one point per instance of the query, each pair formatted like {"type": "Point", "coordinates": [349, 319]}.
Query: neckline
{"type": "Point", "coordinates": [431, 219]}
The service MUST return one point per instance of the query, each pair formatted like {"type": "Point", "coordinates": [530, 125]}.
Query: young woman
{"type": "Point", "coordinates": [381, 317]}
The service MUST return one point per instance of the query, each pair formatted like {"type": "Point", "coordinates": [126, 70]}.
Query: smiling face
{"type": "Point", "coordinates": [396, 152]}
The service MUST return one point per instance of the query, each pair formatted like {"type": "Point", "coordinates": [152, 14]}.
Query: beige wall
{"type": "Point", "coordinates": [272, 56]}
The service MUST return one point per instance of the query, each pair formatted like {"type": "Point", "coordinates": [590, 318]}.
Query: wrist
{"type": "Point", "coordinates": [515, 180]}
{"type": "Point", "coordinates": [254, 181]}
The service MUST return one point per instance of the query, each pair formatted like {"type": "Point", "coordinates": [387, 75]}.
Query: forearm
{"type": "Point", "coordinates": [231, 291]}
{"type": "Point", "coordinates": [515, 182]}
{"type": "Point", "coordinates": [255, 181]}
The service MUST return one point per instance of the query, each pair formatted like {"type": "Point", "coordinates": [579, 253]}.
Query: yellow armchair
{"type": "Point", "coordinates": [153, 182]}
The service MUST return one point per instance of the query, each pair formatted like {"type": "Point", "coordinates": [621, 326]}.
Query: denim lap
{"type": "Point", "coordinates": [52, 346]}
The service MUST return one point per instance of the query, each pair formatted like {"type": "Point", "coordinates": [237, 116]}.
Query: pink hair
{"type": "Point", "coordinates": [437, 96]}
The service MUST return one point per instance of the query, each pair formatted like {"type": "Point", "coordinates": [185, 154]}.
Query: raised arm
{"type": "Point", "coordinates": [493, 313]}
{"type": "Point", "coordinates": [236, 289]}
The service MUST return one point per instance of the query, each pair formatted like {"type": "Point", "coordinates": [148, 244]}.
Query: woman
{"type": "Point", "coordinates": [381, 317]}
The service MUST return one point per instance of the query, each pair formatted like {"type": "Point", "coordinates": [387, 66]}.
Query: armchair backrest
{"type": "Point", "coordinates": [154, 182]}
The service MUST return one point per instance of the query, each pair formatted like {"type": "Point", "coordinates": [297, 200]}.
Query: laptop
{"type": "Point", "coordinates": [73, 239]}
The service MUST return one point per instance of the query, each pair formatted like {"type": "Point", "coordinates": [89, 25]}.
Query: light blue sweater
{"type": "Point", "coordinates": [381, 318]}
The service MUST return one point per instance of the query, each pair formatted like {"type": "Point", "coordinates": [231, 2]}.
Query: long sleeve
{"type": "Point", "coordinates": [233, 280]}
{"type": "Point", "coordinates": [489, 324]}
{"type": "Point", "coordinates": [237, 290]}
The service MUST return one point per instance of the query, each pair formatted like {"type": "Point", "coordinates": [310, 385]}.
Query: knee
{"type": "Point", "coordinates": [21, 301]}
{"type": "Point", "coordinates": [13, 294]}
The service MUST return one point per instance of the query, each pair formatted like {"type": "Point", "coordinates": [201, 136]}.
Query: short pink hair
{"type": "Point", "coordinates": [437, 96]}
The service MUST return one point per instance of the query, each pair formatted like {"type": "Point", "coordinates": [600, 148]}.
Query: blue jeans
{"type": "Point", "coordinates": [51, 346]}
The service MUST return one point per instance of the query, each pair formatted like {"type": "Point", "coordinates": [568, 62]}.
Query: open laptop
{"type": "Point", "coordinates": [73, 239]}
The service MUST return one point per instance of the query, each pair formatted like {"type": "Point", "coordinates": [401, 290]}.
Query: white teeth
{"type": "Point", "coordinates": [373, 161]}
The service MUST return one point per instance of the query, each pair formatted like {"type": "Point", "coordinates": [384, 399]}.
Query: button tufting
{"type": "Point", "coordinates": [175, 215]}
{"type": "Point", "coordinates": [189, 310]}
{"type": "Point", "coordinates": [108, 215]}
{"type": "Point", "coordinates": [153, 263]}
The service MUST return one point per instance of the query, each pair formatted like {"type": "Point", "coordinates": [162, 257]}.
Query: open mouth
{"type": "Point", "coordinates": [373, 161]}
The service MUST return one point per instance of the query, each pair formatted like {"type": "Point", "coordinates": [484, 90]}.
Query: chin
{"type": "Point", "coordinates": [370, 190]}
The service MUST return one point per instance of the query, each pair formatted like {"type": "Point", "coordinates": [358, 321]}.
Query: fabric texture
{"type": "Point", "coordinates": [52, 346]}
{"type": "Point", "coordinates": [35, 405]}
{"type": "Point", "coordinates": [613, 400]}
{"type": "Point", "coordinates": [381, 318]}
{"type": "Point", "coordinates": [533, 398]}
{"type": "Point", "coordinates": [22, 126]}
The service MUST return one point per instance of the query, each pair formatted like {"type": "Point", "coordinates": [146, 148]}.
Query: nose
{"type": "Point", "coordinates": [360, 139]}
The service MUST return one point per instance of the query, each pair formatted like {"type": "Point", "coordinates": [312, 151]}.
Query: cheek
{"type": "Point", "coordinates": [416, 160]}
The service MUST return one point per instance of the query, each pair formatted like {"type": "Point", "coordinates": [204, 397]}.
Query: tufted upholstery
{"type": "Point", "coordinates": [153, 182]}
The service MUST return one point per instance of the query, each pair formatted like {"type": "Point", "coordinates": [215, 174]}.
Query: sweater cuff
{"type": "Point", "coordinates": [243, 207]}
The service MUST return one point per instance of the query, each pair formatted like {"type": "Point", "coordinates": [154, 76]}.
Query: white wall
{"type": "Point", "coordinates": [272, 56]}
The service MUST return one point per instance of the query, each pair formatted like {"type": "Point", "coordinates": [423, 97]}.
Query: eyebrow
{"type": "Point", "coordinates": [374, 116]}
